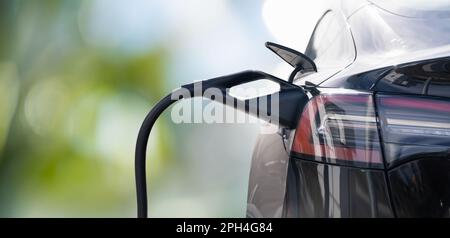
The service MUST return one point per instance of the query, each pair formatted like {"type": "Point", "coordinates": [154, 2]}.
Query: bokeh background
{"type": "Point", "coordinates": [78, 77]}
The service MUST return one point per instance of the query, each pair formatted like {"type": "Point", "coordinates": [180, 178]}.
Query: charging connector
{"type": "Point", "coordinates": [290, 101]}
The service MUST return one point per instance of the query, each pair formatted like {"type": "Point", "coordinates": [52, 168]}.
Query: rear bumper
{"type": "Point", "coordinates": [283, 186]}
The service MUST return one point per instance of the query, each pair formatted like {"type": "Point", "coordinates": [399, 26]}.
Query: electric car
{"type": "Point", "coordinates": [373, 139]}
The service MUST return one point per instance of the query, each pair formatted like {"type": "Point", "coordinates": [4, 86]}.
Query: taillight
{"type": "Point", "coordinates": [340, 129]}
{"type": "Point", "coordinates": [414, 127]}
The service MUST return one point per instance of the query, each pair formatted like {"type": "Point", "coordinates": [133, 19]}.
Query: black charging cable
{"type": "Point", "coordinates": [290, 99]}
{"type": "Point", "coordinates": [140, 153]}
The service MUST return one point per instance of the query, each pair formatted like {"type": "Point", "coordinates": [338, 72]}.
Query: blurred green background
{"type": "Point", "coordinates": [77, 79]}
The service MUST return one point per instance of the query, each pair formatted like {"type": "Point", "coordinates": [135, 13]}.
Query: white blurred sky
{"type": "Point", "coordinates": [207, 38]}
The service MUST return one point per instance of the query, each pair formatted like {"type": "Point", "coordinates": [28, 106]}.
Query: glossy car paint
{"type": "Point", "coordinates": [420, 188]}
{"type": "Point", "coordinates": [396, 52]}
{"type": "Point", "coordinates": [267, 185]}
{"type": "Point", "coordinates": [323, 190]}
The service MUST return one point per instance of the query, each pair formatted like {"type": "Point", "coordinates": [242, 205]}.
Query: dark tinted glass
{"type": "Point", "coordinates": [431, 77]}
{"type": "Point", "coordinates": [440, 83]}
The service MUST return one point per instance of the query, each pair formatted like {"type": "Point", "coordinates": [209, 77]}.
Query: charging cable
{"type": "Point", "coordinates": [290, 98]}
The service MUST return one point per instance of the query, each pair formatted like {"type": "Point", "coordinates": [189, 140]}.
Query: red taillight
{"type": "Point", "coordinates": [339, 128]}
{"type": "Point", "coordinates": [414, 126]}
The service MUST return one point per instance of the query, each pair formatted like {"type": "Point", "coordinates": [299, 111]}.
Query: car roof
{"type": "Point", "coordinates": [384, 38]}
{"type": "Point", "coordinates": [415, 8]}
{"type": "Point", "coordinates": [382, 34]}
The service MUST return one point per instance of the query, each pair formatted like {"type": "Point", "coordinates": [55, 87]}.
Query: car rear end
{"type": "Point", "coordinates": [372, 141]}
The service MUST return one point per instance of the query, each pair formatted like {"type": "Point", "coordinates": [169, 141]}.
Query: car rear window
{"type": "Point", "coordinates": [431, 77]}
